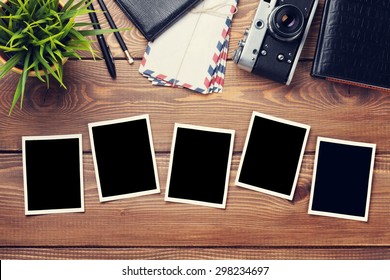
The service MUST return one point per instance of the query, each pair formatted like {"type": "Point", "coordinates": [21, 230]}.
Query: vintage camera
{"type": "Point", "coordinates": [272, 45]}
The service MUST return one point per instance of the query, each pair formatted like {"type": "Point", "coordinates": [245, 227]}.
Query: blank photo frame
{"type": "Point", "coordinates": [200, 165]}
{"type": "Point", "coordinates": [53, 174]}
{"type": "Point", "coordinates": [342, 179]}
{"type": "Point", "coordinates": [124, 158]}
{"type": "Point", "coordinates": [272, 155]}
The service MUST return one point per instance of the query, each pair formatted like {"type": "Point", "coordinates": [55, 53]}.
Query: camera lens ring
{"type": "Point", "coordinates": [286, 22]}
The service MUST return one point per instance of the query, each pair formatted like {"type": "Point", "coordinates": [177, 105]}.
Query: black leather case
{"type": "Point", "coordinates": [152, 17]}
{"type": "Point", "coordinates": [353, 44]}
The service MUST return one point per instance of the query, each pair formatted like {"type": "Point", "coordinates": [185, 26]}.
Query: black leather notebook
{"type": "Point", "coordinates": [152, 17]}
{"type": "Point", "coordinates": [354, 43]}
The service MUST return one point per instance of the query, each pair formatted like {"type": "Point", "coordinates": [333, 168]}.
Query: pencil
{"type": "Point", "coordinates": [103, 43]}
{"type": "Point", "coordinates": [117, 34]}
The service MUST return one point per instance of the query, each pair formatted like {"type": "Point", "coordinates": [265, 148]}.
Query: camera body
{"type": "Point", "coordinates": [272, 45]}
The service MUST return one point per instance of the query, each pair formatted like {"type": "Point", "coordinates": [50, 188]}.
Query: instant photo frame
{"type": "Point", "coordinates": [53, 174]}
{"type": "Point", "coordinates": [342, 179]}
{"type": "Point", "coordinates": [200, 165]}
{"type": "Point", "coordinates": [272, 155]}
{"type": "Point", "coordinates": [131, 172]}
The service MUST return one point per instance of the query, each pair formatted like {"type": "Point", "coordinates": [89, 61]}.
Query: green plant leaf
{"type": "Point", "coordinates": [82, 24]}
{"type": "Point", "coordinates": [54, 62]}
{"type": "Point", "coordinates": [17, 94]}
{"type": "Point", "coordinates": [9, 49]}
{"type": "Point", "coordinates": [37, 23]}
{"type": "Point", "coordinates": [60, 65]}
{"type": "Point", "coordinates": [5, 7]}
{"type": "Point", "coordinates": [50, 52]}
{"type": "Point", "coordinates": [67, 28]}
{"type": "Point", "coordinates": [16, 37]}
{"type": "Point", "coordinates": [23, 79]}
{"type": "Point", "coordinates": [22, 5]}
{"type": "Point", "coordinates": [47, 78]}
{"type": "Point", "coordinates": [6, 30]}
{"type": "Point", "coordinates": [81, 3]}
{"type": "Point", "coordinates": [99, 31]}
{"type": "Point", "coordinates": [2, 40]}
{"type": "Point", "coordinates": [74, 13]}
{"type": "Point", "coordinates": [47, 67]}
{"type": "Point", "coordinates": [11, 17]}
{"type": "Point", "coordinates": [20, 88]}
{"type": "Point", "coordinates": [48, 39]}
{"type": "Point", "coordinates": [5, 68]}
{"type": "Point", "coordinates": [67, 5]}
{"type": "Point", "coordinates": [31, 34]}
{"type": "Point", "coordinates": [80, 40]}
{"type": "Point", "coordinates": [35, 65]}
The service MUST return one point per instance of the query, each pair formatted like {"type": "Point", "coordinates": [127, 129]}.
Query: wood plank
{"type": "Point", "coordinates": [332, 110]}
{"type": "Point", "coordinates": [136, 43]}
{"type": "Point", "coordinates": [250, 219]}
{"type": "Point", "coordinates": [189, 253]}
{"type": "Point", "coordinates": [254, 225]}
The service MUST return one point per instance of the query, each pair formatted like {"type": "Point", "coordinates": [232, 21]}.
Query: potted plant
{"type": "Point", "coordinates": [38, 36]}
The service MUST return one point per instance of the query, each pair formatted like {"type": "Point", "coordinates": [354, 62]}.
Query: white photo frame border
{"type": "Point", "coordinates": [95, 164]}
{"type": "Point", "coordinates": [283, 121]}
{"type": "Point", "coordinates": [369, 187]}
{"type": "Point", "coordinates": [207, 129]}
{"type": "Point", "coordinates": [25, 186]}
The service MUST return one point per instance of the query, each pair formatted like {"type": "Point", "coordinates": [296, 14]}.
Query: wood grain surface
{"type": "Point", "coordinates": [253, 225]}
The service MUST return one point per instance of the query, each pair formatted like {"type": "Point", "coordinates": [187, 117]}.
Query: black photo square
{"type": "Point", "coordinates": [124, 158]}
{"type": "Point", "coordinates": [200, 165]}
{"type": "Point", "coordinates": [53, 174]}
{"type": "Point", "coordinates": [342, 179]}
{"type": "Point", "coordinates": [272, 155]}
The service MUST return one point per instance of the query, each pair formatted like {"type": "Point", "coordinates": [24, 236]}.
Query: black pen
{"type": "Point", "coordinates": [117, 34]}
{"type": "Point", "coordinates": [102, 42]}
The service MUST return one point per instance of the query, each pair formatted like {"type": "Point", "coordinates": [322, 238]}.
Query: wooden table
{"type": "Point", "coordinates": [253, 225]}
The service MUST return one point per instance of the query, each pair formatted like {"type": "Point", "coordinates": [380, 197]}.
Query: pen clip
{"type": "Point", "coordinates": [109, 52]}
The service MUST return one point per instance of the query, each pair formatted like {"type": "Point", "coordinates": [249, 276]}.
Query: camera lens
{"type": "Point", "coordinates": [286, 22]}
